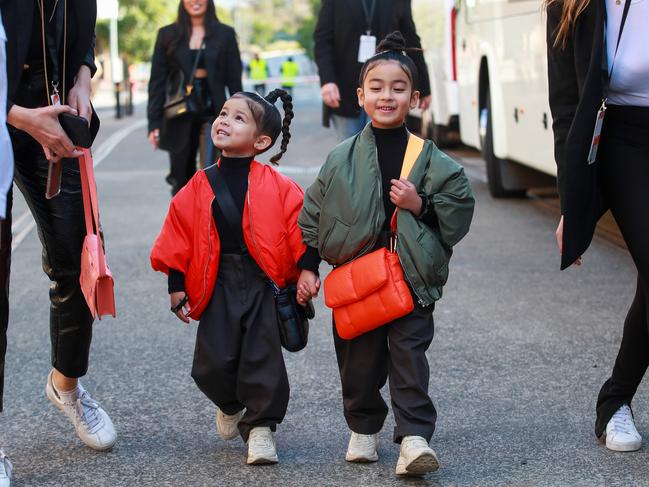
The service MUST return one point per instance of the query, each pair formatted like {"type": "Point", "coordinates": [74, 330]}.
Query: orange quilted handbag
{"type": "Point", "coordinates": [371, 291]}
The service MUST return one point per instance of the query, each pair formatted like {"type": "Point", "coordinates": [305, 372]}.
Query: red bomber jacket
{"type": "Point", "coordinates": [189, 241]}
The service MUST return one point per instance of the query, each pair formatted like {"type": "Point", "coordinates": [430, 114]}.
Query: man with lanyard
{"type": "Point", "coordinates": [290, 70]}
{"type": "Point", "coordinates": [50, 61]}
{"type": "Point", "coordinates": [345, 36]}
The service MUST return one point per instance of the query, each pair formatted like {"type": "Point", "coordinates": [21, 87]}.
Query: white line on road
{"type": "Point", "coordinates": [99, 155]}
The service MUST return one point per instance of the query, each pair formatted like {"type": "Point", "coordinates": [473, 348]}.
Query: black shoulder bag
{"type": "Point", "coordinates": [182, 102]}
{"type": "Point", "coordinates": [292, 318]}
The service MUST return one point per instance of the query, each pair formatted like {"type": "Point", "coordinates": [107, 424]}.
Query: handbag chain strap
{"type": "Point", "coordinates": [41, 5]}
{"type": "Point", "coordinates": [190, 86]}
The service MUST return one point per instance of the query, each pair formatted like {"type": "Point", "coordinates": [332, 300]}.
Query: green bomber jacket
{"type": "Point", "coordinates": [343, 212]}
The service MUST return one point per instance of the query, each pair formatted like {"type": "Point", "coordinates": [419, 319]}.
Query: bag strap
{"type": "Point", "coordinates": [198, 56]}
{"type": "Point", "coordinates": [413, 150]}
{"type": "Point", "coordinates": [226, 202]}
{"type": "Point", "coordinates": [609, 72]}
{"type": "Point", "coordinates": [90, 205]}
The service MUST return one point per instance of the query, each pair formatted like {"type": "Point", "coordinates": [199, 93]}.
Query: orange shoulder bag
{"type": "Point", "coordinates": [370, 291]}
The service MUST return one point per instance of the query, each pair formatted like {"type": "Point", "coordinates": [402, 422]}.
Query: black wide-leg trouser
{"type": "Point", "coordinates": [238, 361]}
{"type": "Point", "coordinates": [61, 229]}
{"type": "Point", "coordinates": [624, 176]}
{"type": "Point", "coordinates": [394, 352]}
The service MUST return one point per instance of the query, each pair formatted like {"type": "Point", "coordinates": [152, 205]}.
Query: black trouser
{"type": "Point", "coordinates": [238, 361]}
{"type": "Point", "coordinates": [61, 229]}
{"type": "Point", "coordinates": [398, 351]}
{"type": "Point", "coordinates": [624, 175]}
{"type": "Point", "coordinates": [183, 159]}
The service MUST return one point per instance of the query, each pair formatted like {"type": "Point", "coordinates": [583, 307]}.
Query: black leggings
{"type": "Point", "coordinates": [624, 176]}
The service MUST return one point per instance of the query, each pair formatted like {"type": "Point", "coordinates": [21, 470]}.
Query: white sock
{"type": "Point", "coordinates": [68, 397]}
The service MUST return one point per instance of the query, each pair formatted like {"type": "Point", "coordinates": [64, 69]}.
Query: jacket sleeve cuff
{"type": "Point", "coordinates": [428, 215]}
{"type": "Point", "coordinates": [10, 104]}
{"type": "Point", "coordinates": [176, 281]}
{"type": "Point", "coordinates": [310, 260]}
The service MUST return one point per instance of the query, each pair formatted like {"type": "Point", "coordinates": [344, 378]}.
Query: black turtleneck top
{"type": "Point", "coordinates": [235, 171]}
{"type": "Point", "coordinates": [391, 148]}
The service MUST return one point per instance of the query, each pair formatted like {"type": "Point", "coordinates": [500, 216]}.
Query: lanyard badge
{"type": "Point", "coordinates": [597, 133]}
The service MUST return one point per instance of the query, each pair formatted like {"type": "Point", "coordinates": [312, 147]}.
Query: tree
{"type": "Point", "coordinates": [305, 31]}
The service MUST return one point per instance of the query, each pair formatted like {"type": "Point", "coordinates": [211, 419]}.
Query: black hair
{"type": "Point", "coordinates": [268, 119]}
{"type": "Point", "coordinates": [184, 25]}
{"type": "Point", "coordinates": [392, 48]}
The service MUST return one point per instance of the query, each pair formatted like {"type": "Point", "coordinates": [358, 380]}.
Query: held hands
{"type": "Point", "coordinates": [175, 299]}
{"type": "Point", "coordinates": [559, 235]}
{"type": "Point", "coordinates": [404, 195]}
{"type": "Point", "coordinates": [308, 286]}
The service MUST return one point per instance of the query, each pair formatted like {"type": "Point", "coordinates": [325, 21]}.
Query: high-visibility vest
{"type": "Point", "coordinates": [258, 71]}
{"type": "Point", "coordinates": [290, 70]}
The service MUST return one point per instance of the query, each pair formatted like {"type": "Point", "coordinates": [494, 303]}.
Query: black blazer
{"type": "Point", "coordinates": [576, 90]}
{"type": "Point", "coordinates": [337, 37]}
{"type": "Point", "coordinates": [223, 64]}
{"type": "Point", "coordinates": [17, 16]}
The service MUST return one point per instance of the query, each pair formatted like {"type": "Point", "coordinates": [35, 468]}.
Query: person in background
{"type": "Point", "coordinates": [196, 37]}
{"type": "Point", "coordinates": [290, 70]}
{"type": "Point", "coordinates": [345, 37]}
{"type": "Point", "coordinates": [598, 68]}
{"type": "Point", "coordinates": [6, 152]}
{"type": "Point", "coordinates": [37, 68]}
{"type": "Point", "coordinates": [259, 74]}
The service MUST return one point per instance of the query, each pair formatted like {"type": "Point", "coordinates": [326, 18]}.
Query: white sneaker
{"type": "Point", "coordinates": [93, 425]}
{"type": "Point", "coordinates": [362, 448]}
{"type": "Point", "coordinates": [226, 424]}
{"type": "Point", "coordinates": [5, 470]}
{"type": "Point", "coordinates": [621, 433]}
{"type": "Point", "coordinates": [261, 446]}
{"type": "Point", "coordinates": [416, 457]}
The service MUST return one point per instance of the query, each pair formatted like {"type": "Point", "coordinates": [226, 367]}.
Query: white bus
{"type": "Point", "coordinates": [435, 22]}
{"type": "Point", "coordinates": [503, 91]}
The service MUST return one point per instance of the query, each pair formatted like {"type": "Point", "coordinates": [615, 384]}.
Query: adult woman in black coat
{"type": "Point", "coordinates": [219, 67]}
{"type": "Point", "coordinates": [593, 62]}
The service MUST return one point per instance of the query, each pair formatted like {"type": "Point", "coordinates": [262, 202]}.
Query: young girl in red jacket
{"type": "Point", "coordinates": [223, 282]}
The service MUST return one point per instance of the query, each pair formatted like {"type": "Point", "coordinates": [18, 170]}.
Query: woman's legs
{"type": "Point", "coordinates": [625, 179]}
{"type": "Point", "coordinates": [183, 160]}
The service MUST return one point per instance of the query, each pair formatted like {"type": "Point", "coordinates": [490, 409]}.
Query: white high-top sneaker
{"type": "Point", "coordinates": [261, 446]}
{"type": "Point", "coordinates": [226, 424]}
{"type": "Point", "coordinates": [362, 448]}
{"type": "Point", "coordinates": [5, 470]}
{"type": "Point", "coordinates": [621, 433]}
{"type": "Point", "coordinates": [91, 422]}
{"type": "Point", "coordinates": [416, 457]}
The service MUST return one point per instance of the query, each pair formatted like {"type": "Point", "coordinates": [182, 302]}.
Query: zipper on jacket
{"type": "Point", "coordinates": [209, 254]}
{"type": "Point", "coordinates": [405, 274]}
{"type": "Point", "coordinates": [254, 241]}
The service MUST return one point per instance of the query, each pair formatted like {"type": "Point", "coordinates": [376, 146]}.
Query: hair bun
{"type": "Point", "coordinates": [392, 42]}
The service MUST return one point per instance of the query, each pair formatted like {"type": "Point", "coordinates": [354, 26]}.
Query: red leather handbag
{"type": "Point", "coordinates": [371, 291]}
{"type": "Point", "coordinates": [96, 279]}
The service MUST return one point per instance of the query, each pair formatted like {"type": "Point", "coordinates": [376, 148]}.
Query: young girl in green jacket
{"type": "Point", "coordinates": [346, 214]}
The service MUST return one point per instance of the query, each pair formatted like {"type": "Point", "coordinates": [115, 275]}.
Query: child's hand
{"type": "Point", "coordinates": [308, 286]}
{"type": "Point", "coordinates": [176, 299]}
{"type": "Point", "coordinates": [404, 195]}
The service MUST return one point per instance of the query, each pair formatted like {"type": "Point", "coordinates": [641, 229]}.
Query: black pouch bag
{"type": "Point", "coordinates": [292, 317]}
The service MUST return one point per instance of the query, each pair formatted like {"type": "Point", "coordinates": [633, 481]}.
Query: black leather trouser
{"type": "Point", "coordinates": [61, 229]}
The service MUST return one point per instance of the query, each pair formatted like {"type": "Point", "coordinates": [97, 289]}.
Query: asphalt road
{"type": "Point", "coordinates": [519, 355]}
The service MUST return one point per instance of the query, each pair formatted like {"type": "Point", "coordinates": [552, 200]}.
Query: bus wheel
{"type": "Point", "coordinates": [495, 165]}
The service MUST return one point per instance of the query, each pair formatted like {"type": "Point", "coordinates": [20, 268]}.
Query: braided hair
{"type": "Point", "coordinates": [392, 48]}
{"type": "Point", "coordinates": [268, 119]}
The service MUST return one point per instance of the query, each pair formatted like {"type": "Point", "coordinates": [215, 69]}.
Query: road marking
{"type": "Point", "coordinates": [102, 152]}
{"type": "Point", "coordinates": [299, 169]}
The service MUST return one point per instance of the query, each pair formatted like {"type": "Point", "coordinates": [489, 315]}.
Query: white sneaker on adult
{"type": "Point", "coordinates": [362, 448]}
{"type": "Point", "coordinates": [226, 424]}
{"type": "Point", "coordinates": [621, 433]}
{"type": "Point", "coordinates": [416, 457]}
{"type": "Point", "coordinates": [261, 446]}
{"type": "Point", "coordinates": [91, 422]}
{"type": "Point", "coordinates": [5, 470]}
